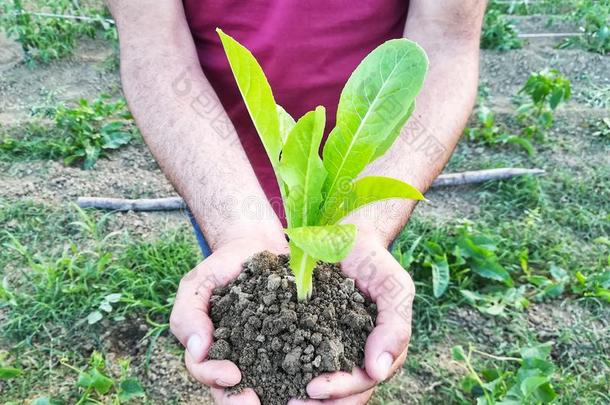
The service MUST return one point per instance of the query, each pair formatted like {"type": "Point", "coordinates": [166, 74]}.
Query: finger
{"type": "Point", "coordinates": [215, 373]}
{"type": "Point", "coordinates": [358, 399]}
{"type": "Point", "coordinates": [393, 292]}
{"type": "Point", "coordinates": [189, 320]}
{"type": "Point", "coordinates": [246, 397]}
{"type": "Point", "coordinates": [340, 384]}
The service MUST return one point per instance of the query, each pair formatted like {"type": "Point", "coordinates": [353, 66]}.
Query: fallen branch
{"type": "Point", "coordinates": [177, 203]}
{"type": "Point", "coordinates": [67, 17]}
{"type": "Point", "coordinates": [123, 204]}
{"type": "Point", "coordinates": [552, 35]}
{"type": "Point", "coordinates": [480, 176]}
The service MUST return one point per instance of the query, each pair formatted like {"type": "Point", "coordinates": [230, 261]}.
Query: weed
{"type": "Point", "coordinates": [82, 133]}
{"type": "Point", "coordinates": [498, 33]}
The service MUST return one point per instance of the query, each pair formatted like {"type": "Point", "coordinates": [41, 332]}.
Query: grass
{"type": "Point", "coordinates": [46, 299]}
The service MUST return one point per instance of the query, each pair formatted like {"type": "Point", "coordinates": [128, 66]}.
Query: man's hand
{"type": "Point", "coordinates": [383, 280]}
{"type": "Point", "coordinates": [193, 327]}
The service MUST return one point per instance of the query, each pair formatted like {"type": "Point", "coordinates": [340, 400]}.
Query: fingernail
{"type": "Point", "coordinates": [384, 364]}
{"type": "Point", "coordinates": [318, 393]}
{"type": "Point", "coordinates": [195, 347]}
{"type": "Point", "coordinates": [224, 383]}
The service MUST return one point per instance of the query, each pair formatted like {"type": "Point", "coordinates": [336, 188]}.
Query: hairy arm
{"type": "Point", "coordinates": [449, 31]}
{"type": "Point", "coordinates": [184, 124]}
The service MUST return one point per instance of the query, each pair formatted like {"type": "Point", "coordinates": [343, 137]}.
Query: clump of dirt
{"type": "Point", "coordinates": [281, 344]}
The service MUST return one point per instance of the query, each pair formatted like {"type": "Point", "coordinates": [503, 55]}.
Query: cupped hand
{"type": "Point", "coordinates": [383, 280]}
{"type": "Point", "coordinates": [190, 321]}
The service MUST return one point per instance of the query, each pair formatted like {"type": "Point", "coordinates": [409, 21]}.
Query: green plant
{"type": "Point", "coordinates": [594, 18]}
{"type": "Point", "coordinates": [82, 133]}
{"type": "Point", "coordinates": [488, 132]}
{"type": "Point", "coordinates": [531, 383]}
{"type": "Point", "coordinates": [96, 385]}
{"type": "Point", "coordinates": [498, 33]}
{"type": "Point", "coordinates": [44, 37]}
{"type": "Point", "coordinates": [545, 90]}
{"type": "Point", "coordinates": [375, 103]}
{"type": "Point", "coordinates": [454, 258]}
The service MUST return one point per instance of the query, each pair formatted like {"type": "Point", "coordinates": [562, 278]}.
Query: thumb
{"type": "Point", "coordinates": [386, 346]}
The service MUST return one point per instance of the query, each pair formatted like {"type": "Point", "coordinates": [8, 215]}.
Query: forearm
{"type": "Point", "coordinates": [442, 110]}
{"type": "Point", "coordinates": [184, 124]}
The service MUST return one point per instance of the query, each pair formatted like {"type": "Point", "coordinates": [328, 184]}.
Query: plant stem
{"type": "Point", "coordinates": [302, 266]}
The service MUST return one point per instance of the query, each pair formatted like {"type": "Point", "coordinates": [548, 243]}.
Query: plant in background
{"type": "Point", "coordinates": [531, 383]}
{"type": "Point", "coordinates": [489, 132]}
{"type": "Point", "coordinates": [454, 259]}
{"type": "Point", "coordinates": [81, 134]}
{"type": "Point", "coordinates": [44, 37]}
{"type": "Point", "coordinates": [545, 91]}
{"type": "Point", "coordinates": [498, 33]}
{"type": "Point", "coordinates": [601, 128]}
{"type": "Point", "coordinates": [594, 19]}
{"type": "Point", "coordinates": [95, 384]}
{"type": "Point", "coordinates": [317, 193]}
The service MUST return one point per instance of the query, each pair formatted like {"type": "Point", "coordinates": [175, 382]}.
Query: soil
{"type": "Point", "coordinates": [281, 344]}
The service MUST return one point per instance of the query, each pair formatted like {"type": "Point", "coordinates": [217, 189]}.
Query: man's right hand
{"type": "Point", "coordinates": [190, 321]}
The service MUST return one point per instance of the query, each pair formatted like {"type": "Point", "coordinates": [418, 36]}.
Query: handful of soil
{"type": "Point", "coordinates": [280, 344]}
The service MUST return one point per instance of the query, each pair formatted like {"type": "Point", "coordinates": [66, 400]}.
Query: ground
{"type": "Point", "coordinates": [58, 263]}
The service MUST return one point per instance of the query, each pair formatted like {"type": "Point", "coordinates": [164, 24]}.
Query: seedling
{"type": "Point", "coordinates": [546, 90]}
{"type": "Point", "coordinates": [318, 193]}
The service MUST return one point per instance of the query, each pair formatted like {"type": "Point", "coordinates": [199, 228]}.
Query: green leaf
{"type": "Point", "coordinates": [302, 265]}
{"type": "Point", "coordinates": [94, 317]}
{"type": "Point", "coordinates": [530, 384]}
{"type": "Point", "coordinates": [457, 353]}
{"type": "Point", "coordinates": [367, 190]}
{"type": "Point", "coordinates": [373, 104]}
{"type": "Point", "coordinates": [129, 389]}
{"type": "Point", "coordinates": [116, 297]}
{"type": "Point", "coordinates": [389, 141]}
{"type": "Point", "coordinates": [115, 139]}
{"type": "Point", "coordinates": [100, 382]}
{"type": "Point", "coordinates": [257, 95]}
{"type": "Point", "coordinates": [46, 401]}
{"type": "Point", "coordinates": [302, 169]}
{"type": "Point", "coordinates": [286, 122]}
{"type": "Point", "coordinates": [329, 243]}
{"type": "Point", "coordinates": [490, 268]}
{"type": "Point", "coordinates": [440, 275]}
{"type": "Point", "coordinates": [9, 372]}
{"type": "Point", "coordinates": [541, 351]}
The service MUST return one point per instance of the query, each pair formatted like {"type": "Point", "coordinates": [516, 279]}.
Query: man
{"type": "Point", "coordinates": [186, 104]}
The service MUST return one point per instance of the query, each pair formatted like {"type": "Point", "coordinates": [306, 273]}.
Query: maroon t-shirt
{"type": "Point", "coordinates": [307, 49]}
